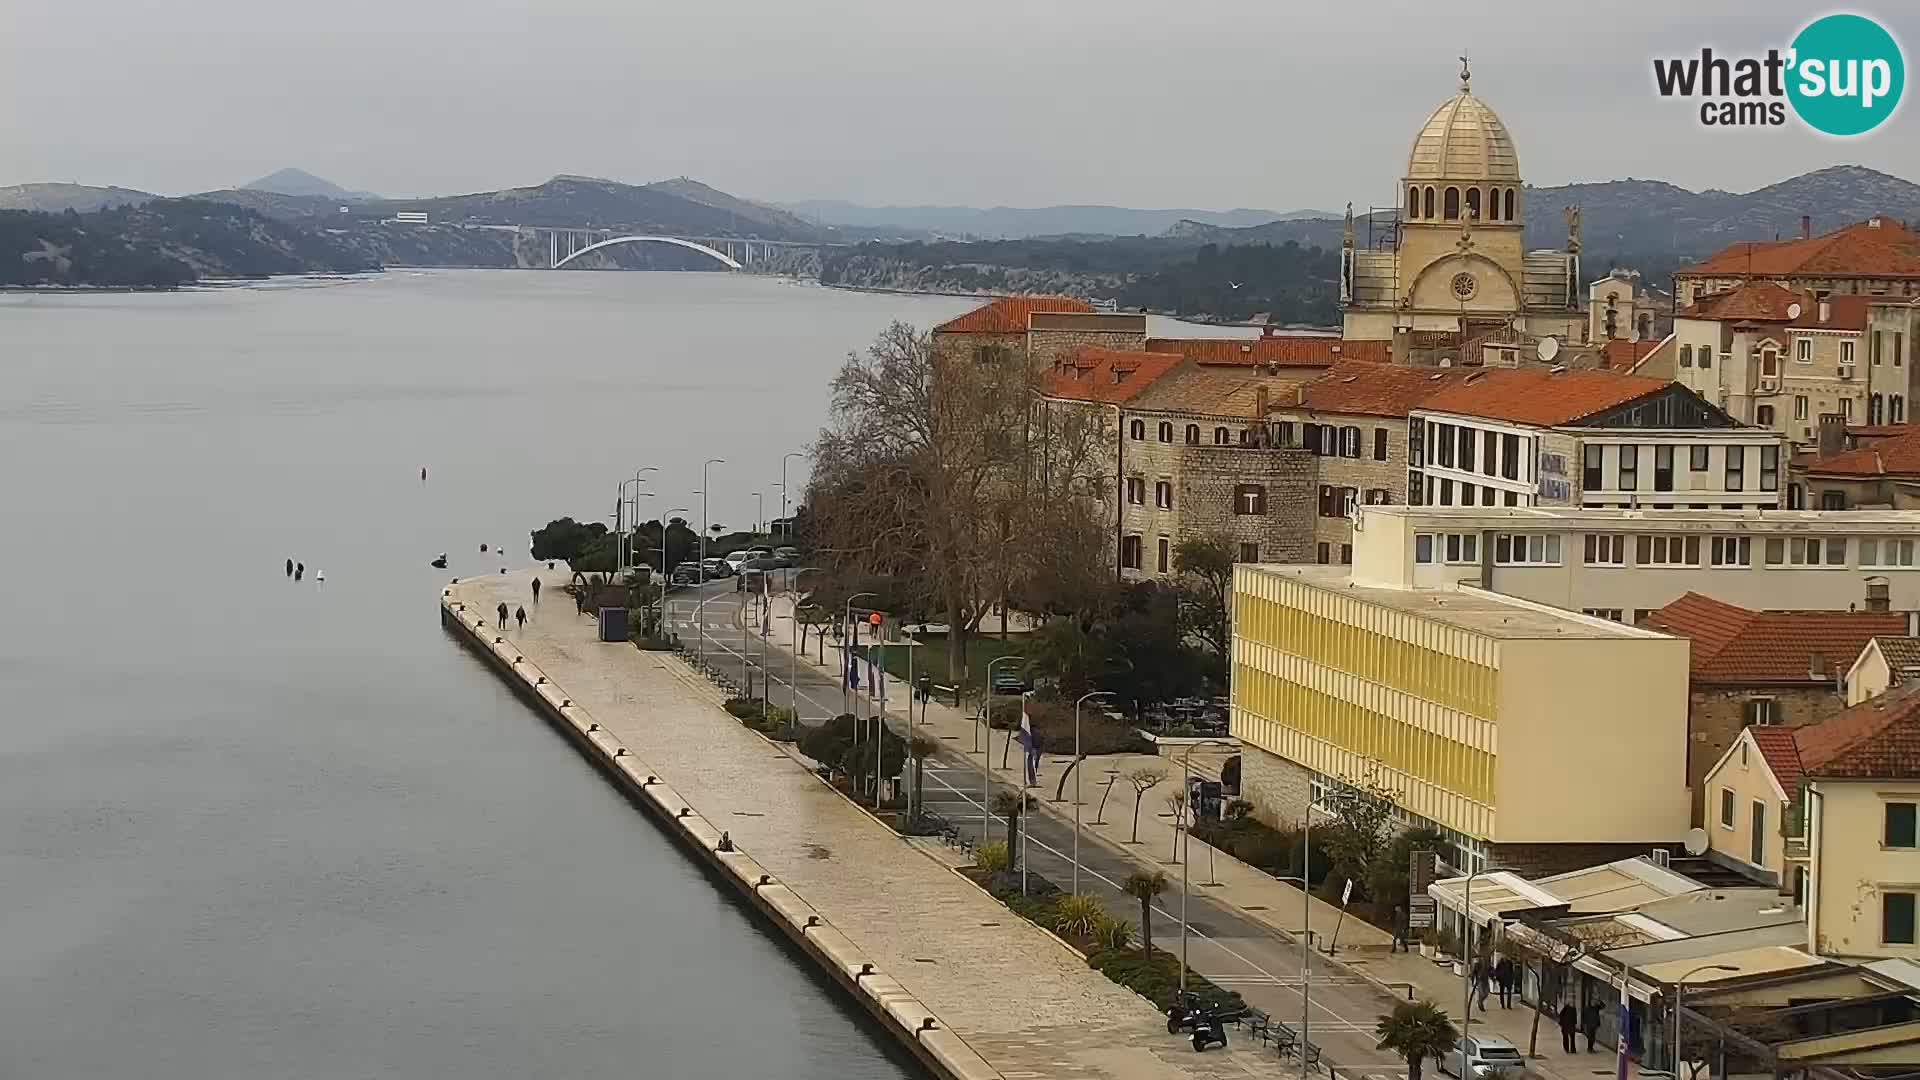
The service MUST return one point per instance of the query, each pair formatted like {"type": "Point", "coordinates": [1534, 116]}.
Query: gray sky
{"type": "Point", "coordinates": [1195, 103]}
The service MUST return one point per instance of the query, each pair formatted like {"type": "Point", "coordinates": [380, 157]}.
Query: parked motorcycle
{"type": "Point", "coordinates": [1205, 1022]}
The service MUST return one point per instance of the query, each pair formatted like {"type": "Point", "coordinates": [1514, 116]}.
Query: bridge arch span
{"type": "Point", "coordinates": [676, 241]}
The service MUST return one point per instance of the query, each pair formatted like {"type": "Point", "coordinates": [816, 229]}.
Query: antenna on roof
{"type": "Point", "coordinates": [1547, 348]}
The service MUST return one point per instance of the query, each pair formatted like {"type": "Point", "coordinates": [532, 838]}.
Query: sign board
{"type": "Point", "coordinates": [1346, 893]}
{"type": "Point", "coordinates": [1551, 469]}
{"type": "Point", "coordinates": [1420, 913]}
{"type": "Point", "coordinates": [1421, 908]}
{"type": "Point", "coordinates": [1008, 681]}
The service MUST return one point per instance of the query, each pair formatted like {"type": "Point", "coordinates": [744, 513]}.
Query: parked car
{"type": "Point", "coordinates": [761, 562]}
{"type": "Point", "coordinates": [687, 573]}
{"type": "Point", "coordinates": [719, 568]}
{"type": "Point", "coordinates": [735, 558]}
{"type": "Point", "coordinates": [786, 553]}
{"type": "Point", "coordinates": [760, 553]}
{"type": "Point", "coordinates": [1484, 1054]}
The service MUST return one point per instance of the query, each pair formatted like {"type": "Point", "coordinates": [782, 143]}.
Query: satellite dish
{"type": "Point", "coordinates": [1548, 348]}
{"type": "Point", "coordinates": [1793, 311]}
{"type": "Point", "coordinates": [1695, 841]}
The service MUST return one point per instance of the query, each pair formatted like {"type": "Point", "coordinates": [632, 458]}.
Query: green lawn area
{"type": "Point", "coordinates": [931, 654]}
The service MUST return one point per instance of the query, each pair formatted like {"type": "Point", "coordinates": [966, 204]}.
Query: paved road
{"type": "Point", "coordinates": [1228, 948]}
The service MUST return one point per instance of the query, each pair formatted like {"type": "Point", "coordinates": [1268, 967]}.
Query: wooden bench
{"type": "Point", "coordinates": [1284, 1039]}
{"type": "Point", "coordinates": [1311, 1058]}
{"type": "Point", "coordinates": [1255, 1023]}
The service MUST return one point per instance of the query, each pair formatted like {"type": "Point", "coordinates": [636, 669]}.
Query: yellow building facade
{"type": "Point", "coordinates": [1526, 734]}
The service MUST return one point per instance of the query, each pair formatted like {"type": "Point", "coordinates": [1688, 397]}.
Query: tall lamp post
{"type": "Point", "coordinates": [759, 513]}
{"type": "Point", "coordinates": [986, 756]}
{"type": "Point", "coordinates": [846, 673]}
{"type": "Point", "coordinates": [1306, 911]}
{"type": "Point", "coordinates": [1077, 762]}
{"type": "Point", "coordinates": [1679, 987]}
{"type": "Point", "coordinates": [635, 522]}
{"type": "Point", "coordinates": [700, 618]}
{"type": "Point", "coordinates": [1466, 918]}
{"type": "Point", "coordinates": [666, 572]}
{"type": "Point", "coordinates": [783, 490]}
{"type": "Point", "coordinates": [1187, 786]}
{"type": "Point", "coordinates": [793, 668]}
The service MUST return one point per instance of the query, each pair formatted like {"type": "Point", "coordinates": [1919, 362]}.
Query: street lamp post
{"type": "Point", "coordinates": [1679, 987]}
{"type": "Point", "coordinates": [986, 757]}
{"type": "Point", "coordinates": [783, 491]}
{"type": "Point", "coordinates": [793, 667]}
{"type": "Point", "coordinates": [1077, 762]}
{"type": "Point", "coordinates": [1186, 841]}
{"type": "Point", "coordinates": [700, 621]}
{"type": "Point", "coordinates": [853, 639]}
{"type": "Point", "coordinates": [618, 564]}
{"type": "Point", "coordinates": [1306, 914]}
{"type": "Point", "coordinates": [1466, 938]}
{"type": "Point", "coordinates": [666, 572]}
{"type": "Point", "coordinates": [759, 513]}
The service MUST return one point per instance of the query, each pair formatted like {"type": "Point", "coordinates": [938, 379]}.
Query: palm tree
{"type": "Point", "coordinates": [1145, 885]}
{"type": "Point", "coordinates": [1416, 1030]}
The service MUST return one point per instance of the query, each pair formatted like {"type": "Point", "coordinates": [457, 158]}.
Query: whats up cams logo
{"type": "Point", "coordinates": [1842, 75]}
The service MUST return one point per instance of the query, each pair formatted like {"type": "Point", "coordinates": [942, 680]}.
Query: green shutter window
{"type": "Point", "coordinates": [1896, 918]}
{"type": "Point", "coordinates": [1900, 831]}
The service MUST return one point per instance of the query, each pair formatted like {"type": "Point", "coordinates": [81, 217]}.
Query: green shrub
{"type": "Point", "coordinates": [1053, 728]}
{"type": "Point", "coordinates": [1081, 916]}
{"type": "Point", "coordinates": [1116, 934]}
{"type": "Point", "coordinates": [1157, 977]}
{"type": "Point", "coordinates": [991, 857]}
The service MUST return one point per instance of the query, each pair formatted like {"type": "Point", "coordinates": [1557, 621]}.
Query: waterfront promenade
{"type": "Point", "coordinates": [1020, 1000]}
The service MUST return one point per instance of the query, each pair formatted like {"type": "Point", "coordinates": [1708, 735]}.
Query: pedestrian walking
{"type": "Point", "coordinates": [289, 567]}
{"type": "Point", "coordinates": [502, 610]}
{"type": "Point", "coordinates": [299, 570]}
{"type": "Point", "coordinates": [1481, 973]}
{"type": "Point", "coordinates": [1504, 975]}
{"type": "Point", "coordinates": [1590, 1023]}
{"type": "Point", "coordinates": [1399, 929]}
{"type": "Point", "coordinates": [536, 590]}
{"type": "Point", "coordinates": [520, 616]}
{"type": "Point", "coordinates": [1569, 1025]}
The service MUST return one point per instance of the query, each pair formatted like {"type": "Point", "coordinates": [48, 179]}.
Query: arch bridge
{"type": "Point", "coordinates": [735, 253]}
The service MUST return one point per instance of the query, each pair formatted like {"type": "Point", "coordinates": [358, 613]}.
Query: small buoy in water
{"type": "Point", "coordinates": [503, 569]}
{"type": "Point", "coordinates": [483, 549]}
{"type": "Point", "coordinates": [441, 562]}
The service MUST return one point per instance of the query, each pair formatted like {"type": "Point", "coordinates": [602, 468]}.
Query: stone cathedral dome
{"type": "Point", "coordinates": [1464, 139]}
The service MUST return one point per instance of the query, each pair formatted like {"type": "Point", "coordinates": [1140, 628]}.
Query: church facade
{"type": "Point", "coordinates": [1455, 273]}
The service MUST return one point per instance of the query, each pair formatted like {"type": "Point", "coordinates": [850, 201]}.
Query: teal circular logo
{"type": "Point", "coordinates": [1846, 74]}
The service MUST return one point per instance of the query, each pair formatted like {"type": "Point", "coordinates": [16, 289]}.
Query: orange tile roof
{"type": "Point", "coordinates": [1878, 739]}
{"type": "Point", "coordinates": [1541, 395]}
{"type": "Point", "coordinates": [1863, 248]}
{"type": "Point", "coordinates": [1370, 389]}
{"type": "Point", "coordinates": [1215, 391]}
{"type": "Point", "coordinates": [1782, 755]}
{"type": "Point", "coordinates": [1732, 645]}
{"type": "Point", "coordinates": [1762, 300]}
{"type": "Point", "coordinates": [1898, 455]}
{"type": "Point", "coordinates": [1317, 350]}
{"type": "Point", "coordinates": [1620, 354]}
{"type": "Point", "coordinates": [1110, 376]}
{"type": "Point", "coordinates": [1879, 431]}
{"type": "Point", "coordinates": [1008, 314]}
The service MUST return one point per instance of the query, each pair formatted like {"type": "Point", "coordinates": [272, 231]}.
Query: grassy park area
{"type": "Point", "coordinates": [931, 653]}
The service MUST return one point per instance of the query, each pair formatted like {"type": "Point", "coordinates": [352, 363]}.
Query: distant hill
{"type": "Point", "coordinates": [301, 182]}
{"type": "Point", "coordinates": [301, 208]}
{"type": "Point", "coordinates": [161, 243]}
{"type": "Point", "coordinates": [1006, 222]}
{"type": "Point", "coordinates": [59, 198]}
{"type": "Point", "coordinates": [758, 213]}
{"type": "Point", "coordinates": [587, 201]}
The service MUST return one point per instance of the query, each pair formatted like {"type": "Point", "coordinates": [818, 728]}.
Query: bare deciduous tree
{"type": "Point", "coordinates": [1143, 780]}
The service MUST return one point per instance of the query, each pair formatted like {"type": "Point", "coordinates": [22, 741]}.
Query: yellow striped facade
{"type": "Point", "coordinates": [1338, 685]}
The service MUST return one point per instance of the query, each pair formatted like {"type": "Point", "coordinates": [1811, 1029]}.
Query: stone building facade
{"type": "Point", "coordinates": [1876, 257]}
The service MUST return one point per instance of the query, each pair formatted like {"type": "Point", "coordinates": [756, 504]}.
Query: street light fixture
{"type": "Point", "coordinates": [666, 572]}
{"type": "Point", "coordinates": [701, 621]}
{"type": "Point", "coordinates": [1077, 763]}
{"type": "Point", "coordinates": [1679, 988]}
{"type": "Point", "coordinates": [635, 523]}
{"type": "Point", "coordinates": [1306, 909]}
{"type": "Point", "coordinates": [847, 669]}
{"type": "Point", "coordinates": [1186, 843]}
{"type": "Point", "coordinates": [1466, 939]}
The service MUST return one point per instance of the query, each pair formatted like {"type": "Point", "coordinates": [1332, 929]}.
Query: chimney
{"type": "Point", "coordinates": [1260, 403]}
{"type": "Point", "coordinates": [1268, 330]}
{"type": "Point", "coordinates": [1806, 226]}
{"type": "Point", "coordinates": [1832, 434]}
{"type": "Point", "coordinates": [1877, 600]}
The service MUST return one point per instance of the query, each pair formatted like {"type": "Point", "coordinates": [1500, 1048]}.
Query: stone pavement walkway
{"type": "Point", "coordinates": [1024, 1001]}
{"type": "Point", "coordinates": [1362, 948]}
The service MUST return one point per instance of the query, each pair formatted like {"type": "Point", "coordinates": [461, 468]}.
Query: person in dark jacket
{"type": "Point", "coordinates": [1503, 977]}
{"type": "Point", "coordinates": [1590, 1023]}
{"type": "Point", "coordinates": [1569, 1027]}
{"type": "Point", "coordinates": [502, 610]}
{"type": "Point", "coordinates": [520, 616]}
{"type": "Point", "coordinates": [536, 590]}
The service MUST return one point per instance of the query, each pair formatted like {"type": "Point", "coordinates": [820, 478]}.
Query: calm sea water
{"type": "Point", "coordinates": [252, 828]}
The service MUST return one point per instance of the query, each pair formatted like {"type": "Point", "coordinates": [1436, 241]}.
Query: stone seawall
{"type": "Point", "coordinates": [899, 1011]}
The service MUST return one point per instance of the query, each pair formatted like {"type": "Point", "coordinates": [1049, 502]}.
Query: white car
{"type": "Point", "coordinates": [736, 559]}
{"type": "Point", "coordinates": [1484, 1055]}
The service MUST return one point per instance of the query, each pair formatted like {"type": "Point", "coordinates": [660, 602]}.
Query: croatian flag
{"type": "Point", "coordinates": [1030, 751]}
{"type": "Point", "coordinates": [853, 670]}
{"type": "Point", "coordinates": [1620, 1062]}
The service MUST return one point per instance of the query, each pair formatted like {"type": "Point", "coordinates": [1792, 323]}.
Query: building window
{"type": "Point", "coordinates": [1413, 202]}
{"type": "Point", "coordinates": [1446, 493]}
{"type": "Point", "coordinates": [1441, 438]}
{"type": "Point", "coordinates": [1732, 551]}
{"type": "Point", "coordinates": [1463, 548]}
{"type": "Point", "coordinates": [1513, 498]}
{"type": "Point", "coordinates": [1466, 449]}
{"type": "Point", "coordinates": [1697, 458]}
{"type": "Point", "coordinates": [1137, 429]}
{"type": "Point", "coordinates": [1250, 500]}
{"type": "Point", "coordinates": [1796, 497]}
{"type": "Point", "coordinates": [1629, 468]}
{"type": "Point", "coordinates": [1705, 356]}
{"type": "Point", "coordinates": [1603, 613]}
{"type": "Point", "coordinates": [1686, 356]}
{"type": "Point", "coordinates": [1130, 552]}
{"type": "Point", "coordinates": [1166, 432]}
{"type": "Point", "coordinates": [1846, 408]}
{"type": "Point", "coordinates": [1506, 209]}
{"type": "Point", "coordinates": [1329, 499]}
{"type": "Point", "coordinates": [1896, 409]}
{"type": "Point", "coordinates": [1163, 494]}
{"type": "Point", "coordinates": [1873, 348]}
{"type": "Point", "coordinates": [1379, 444]}
{"type": "Point", "coordinates": [1249, 552]}
{"type": "Point", "coordinates": [1488, 444]}
{"type": "Point", "coordinates": [1726, 808]}
{"type": "Point", "coordinates": [1423, 547]}
{"type": "Point", "coordinates": [1886, 551]}
{"type": "Point", "coordinates": [1900, 825]}
{"type": "Point", "coordinates": [1591, 478]}
{"type": "Point", "coordinates": [1324, 554]}
{"type": "Point", "coordinates": [1346, 554]}
{"type": "Point", "coordinates": [1769, 467]}
{"type": "Point", "coordinates": [1812, 551]}
{"type": "Point", "coordinates": [1510, 456]}
{"type": "Point", "coordinates": [1846, 353]}
{"type": "Point", "coordinates": [1379, 497]}
{"type": "Point", "coordinates": [1758, 712]}
{"type": "Point", "coordinates": [1896, 348]}
{"type": "Point", "coordinates": [1803, 351]}
{"type": "Point", "coordinates": [1896, 918]}
{"type": "Point", "coordinates": [1164, 556]}
{"type": "Point", "coordinates": [1663, 468]}
{"type": "Point", "coordinates": [1136, 491]}
{"type": "Point", "coordinates": [1221, 437]}
{"type": "Point", "coordinates": [1770, 363]}
{"type": "Point", "coordinates": [1736, 468]}
{"type": "Point", "coordinates": [1524, 549]}
{"type": "Point", "coordinates": [1473, 204]}
{"type": "Point", "coordinates": [1605, 549]}
{"type": "Point", "coordinates": [1833, 500]}
{"type": "Point", "coordinates": [1426, 203]}
{"type": "Point", "coordinates": [1876, 408]}
{"type": "Point", "coordinates": [1800, 407]}
{"type": "Point", "coordinates": [1450, 204]}
{"type": "Point", "coordinates": [1350, 442]}
{"type": "Point", "coordinates": [1193, 434]}
{"type": "Point", "coordinates": [1667, 550]}
{"type": "Point", "coordinates": [1763, 415]}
